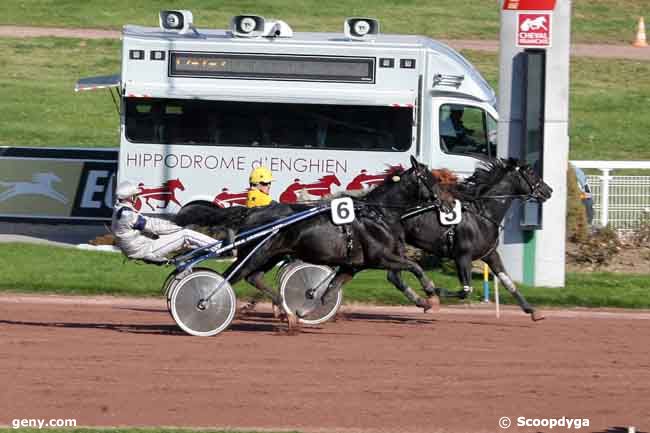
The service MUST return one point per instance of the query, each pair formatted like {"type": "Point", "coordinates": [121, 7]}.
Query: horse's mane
{"type": "Point", "coordinates": [445, 177]}
{"type": "Point", "coordinates": [448, 183]}
{"type": "Point", "coordinates": [486, 175]}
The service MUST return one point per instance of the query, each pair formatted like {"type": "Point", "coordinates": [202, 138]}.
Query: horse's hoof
{"type": "Point", "coordinates": [425, 304]}
{"type": "Point", "coordinates": [536, 316]}
{"type": "Point", "coordinates": [429, 303]}
{"type": "Point", "coordinates": [293, 327]}
{"type": "Point", "coordinates": [434, 301]}
{"type": "Point", "coordinates": [277, 311]}
{"type": "Point", "coordinates": [244, 311]}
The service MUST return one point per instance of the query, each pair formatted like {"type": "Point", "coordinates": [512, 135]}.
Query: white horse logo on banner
{"type": "Point", "coordinates": [41, 184]}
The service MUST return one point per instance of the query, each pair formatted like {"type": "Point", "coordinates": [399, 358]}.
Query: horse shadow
{"type": "Point", "coordinates": [247, 325]}
{"type": "Point", "coordinates": [154, 329]}
{"type": "Point", "coordinates": [384, 317]}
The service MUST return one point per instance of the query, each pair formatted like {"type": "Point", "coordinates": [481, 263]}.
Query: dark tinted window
{"type": "Point", "coordinates": [178, 121]}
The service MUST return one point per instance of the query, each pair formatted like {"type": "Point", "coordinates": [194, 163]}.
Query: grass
{"type": "Point", "coordinates": [609, 100]}
{"type": "Point", "coordinates": [609, 105]}
{"type": "Point", "coordinates": [46, 269]}
{"type": "Point", "coordinates": [39, 105]}
{"type": "Point", "coordinates": [593, 21]}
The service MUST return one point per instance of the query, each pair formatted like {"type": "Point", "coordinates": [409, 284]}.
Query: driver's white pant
{"type": "Point", "coordinates": [166, 244]}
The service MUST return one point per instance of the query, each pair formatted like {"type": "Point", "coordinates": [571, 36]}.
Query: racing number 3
{"type": "Point", "coordinates": [342, 210]}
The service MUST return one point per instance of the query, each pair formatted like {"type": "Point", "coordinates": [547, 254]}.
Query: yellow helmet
{"type": "Point", "coordinates": [261, 174]}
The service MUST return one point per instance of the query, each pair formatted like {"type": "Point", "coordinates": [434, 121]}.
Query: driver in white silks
{"type": "Point", "coordinates": [148, 238]}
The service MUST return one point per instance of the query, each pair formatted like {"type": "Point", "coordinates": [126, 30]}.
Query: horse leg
{"type": "Point", "coordinates": [395, 278]}
{"type": "Point", "coordinates": [257, 280]}
{"type": "Point", "coordinates": [464, 271]}
{"type": "Point", "coordinates": [396, 263]}
{"type": "Point", "coordinates": [493, 260]}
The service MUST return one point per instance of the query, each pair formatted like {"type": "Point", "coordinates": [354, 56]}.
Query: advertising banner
{"type": "Point", "coordinates": [56, 184]}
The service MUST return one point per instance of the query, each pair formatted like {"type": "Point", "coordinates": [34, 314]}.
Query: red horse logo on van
{"type": "Point", "coordinates": [365, 180]}
{"type": "Point", "coordinates": [227, 199]}
{"type": "Point", "coordinates": [315, 191]}
{"type": "Point", "coordinates": [164, 193]}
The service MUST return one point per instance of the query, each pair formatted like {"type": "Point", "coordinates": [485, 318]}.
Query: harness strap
{"type": "Point", "coordinates": [349, 242]}
{"type": "Point", "coordinates": [450, 237]}
{"type": "Point", "coordinates": [418, 210]}
{"type": "Point", "coordinates": [499, 227]}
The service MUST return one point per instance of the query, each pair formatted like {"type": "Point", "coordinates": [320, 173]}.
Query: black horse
{"type": "Point", "coordinates": [486, 196]}
{"type": "Point", "coordinates": [375, 239]}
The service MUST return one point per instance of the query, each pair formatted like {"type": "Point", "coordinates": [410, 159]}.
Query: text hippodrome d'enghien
{"type": "Point", "coordinates": [238, 163]}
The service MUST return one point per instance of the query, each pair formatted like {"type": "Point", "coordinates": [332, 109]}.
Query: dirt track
{"type": "Point", "coordinates": [123, 362]}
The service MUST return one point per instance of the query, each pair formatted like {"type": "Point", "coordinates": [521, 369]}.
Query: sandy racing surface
{"type": "Point", "coordinates": [113, 362]}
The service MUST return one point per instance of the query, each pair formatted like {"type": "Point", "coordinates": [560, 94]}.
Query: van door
{"type": "Point", "coordinates": [463, 133]}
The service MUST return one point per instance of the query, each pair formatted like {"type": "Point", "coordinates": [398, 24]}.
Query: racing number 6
{"type": "Point", "coordinates": [342, 210]}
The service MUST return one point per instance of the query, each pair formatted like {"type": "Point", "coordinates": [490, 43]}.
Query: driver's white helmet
{"type": "Point", "coordinates": [126, 189]}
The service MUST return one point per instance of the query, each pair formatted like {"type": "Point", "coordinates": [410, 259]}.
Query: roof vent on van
{"type": "Point", "coordinates": [361, 29]}
{"type": "Point", "coordinates": [253, 26]}
{"type": "Point", "coordinates": [448, 80]}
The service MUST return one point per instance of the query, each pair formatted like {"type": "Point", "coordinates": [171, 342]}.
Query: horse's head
{"type": "Point", "coordinates": [426, 185]}
{"type": "Point", "coordinates": [529, 183]}
{"type": "Point", "coordinates": [330, 179]}
{"type": "Point", "coordinates": [175, 184]}
{"type": "Point", "coordinates": [45, 178]}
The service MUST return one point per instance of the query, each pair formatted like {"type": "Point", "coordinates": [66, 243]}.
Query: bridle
{"type": "Point", "coordinates": [424, 179]}
{"type": "Point", "coordinates": [532, 194]}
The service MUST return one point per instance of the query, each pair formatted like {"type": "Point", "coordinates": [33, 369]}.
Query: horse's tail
{"type": "Point", "coordinates": [210, 215]}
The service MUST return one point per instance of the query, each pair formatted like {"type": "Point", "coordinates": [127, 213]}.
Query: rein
{"type": "Point", "coordinates": [525, 196]}
{"type": "Point", "coordinates": [361, 201]}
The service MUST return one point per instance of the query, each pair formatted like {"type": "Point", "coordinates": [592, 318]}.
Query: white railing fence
{"type": "Point", "coordinates": [620, 201]}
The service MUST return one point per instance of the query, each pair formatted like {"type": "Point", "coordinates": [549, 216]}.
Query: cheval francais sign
{"type": "Point", "coordinates": [533, 21]}
{"type": "Point", "coordinates": [534, 30]}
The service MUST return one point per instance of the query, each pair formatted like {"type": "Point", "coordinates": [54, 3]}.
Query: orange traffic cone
{"type": "Point", "coordinates": [640, 35]}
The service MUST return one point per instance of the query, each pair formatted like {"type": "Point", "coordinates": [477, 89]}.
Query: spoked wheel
{"type": "Point", "coordinates": [193, 313]}
{"type": "Point", "coordinates": [298, 283]}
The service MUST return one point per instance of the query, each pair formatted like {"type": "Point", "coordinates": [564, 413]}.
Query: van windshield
{"type": "Point", "coordinates": [220, 123]}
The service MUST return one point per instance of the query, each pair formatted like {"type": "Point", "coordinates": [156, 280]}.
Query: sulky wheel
{"type": "Point", "coordinates": [172, 280]}
{"type": "Point", "coordinates": [193, 313]}
{"type": "Point", "coordinates": [298, 282]}
{"type": "Point", "coordinates": [168, 288]}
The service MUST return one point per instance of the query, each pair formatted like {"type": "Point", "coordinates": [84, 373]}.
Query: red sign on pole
{"type": "Point", "coordinates": [528, 5]}
{"type": "Point", "coordinates": [534, 30]}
